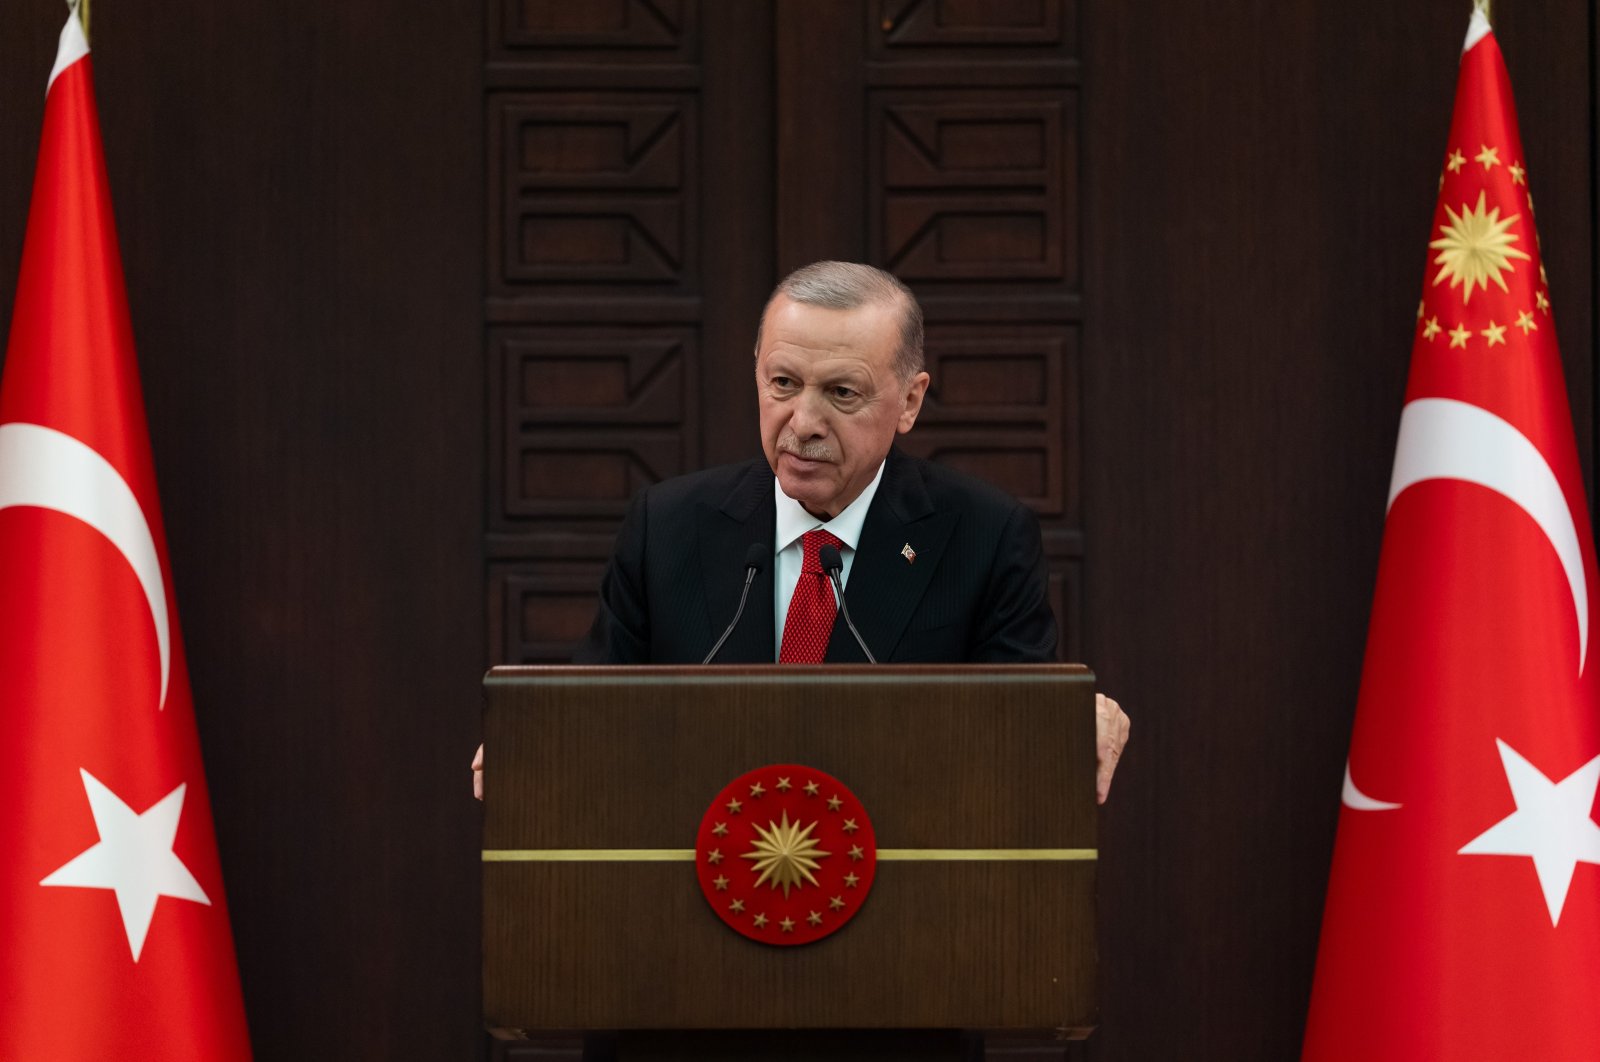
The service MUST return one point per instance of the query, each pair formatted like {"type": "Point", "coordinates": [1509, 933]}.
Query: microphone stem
{"type": "Point", "coordinates": [844, 610]}
{"type": "Point", "coordinates": [749, 577]}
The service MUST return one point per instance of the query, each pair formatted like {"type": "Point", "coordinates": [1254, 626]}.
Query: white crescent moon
{"type": "Point", "coordinates": [1441, 438]}
{"type": "Point", "coordinates": [1356, 799]}
{"type": "Point", "coordinates": [47, 469]}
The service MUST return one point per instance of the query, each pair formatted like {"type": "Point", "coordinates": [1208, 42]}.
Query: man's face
{"type": "Point", "coordinates": [831, 402]}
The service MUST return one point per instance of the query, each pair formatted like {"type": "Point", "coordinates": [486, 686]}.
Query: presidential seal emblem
{"type": "Point", "coordinates": [785, 854]}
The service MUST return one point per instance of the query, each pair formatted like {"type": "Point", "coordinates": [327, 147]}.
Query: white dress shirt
{"type": "Point", "coordinates": [793, 522]}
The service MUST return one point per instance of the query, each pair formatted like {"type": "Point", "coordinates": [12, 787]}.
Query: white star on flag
{"type": "Point", "coordinates": [1551, 824]}
{"type": "Point", "coordinates": [134, 858]}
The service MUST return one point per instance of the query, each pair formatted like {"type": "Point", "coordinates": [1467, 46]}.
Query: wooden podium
{"type": "Point", "coordinates": [979, 784]}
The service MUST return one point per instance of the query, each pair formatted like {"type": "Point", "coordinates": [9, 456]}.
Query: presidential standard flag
{"type": "Point", "coordinates": [1463, 909]}
{"type": "Point", "coordinates": [114, 938]}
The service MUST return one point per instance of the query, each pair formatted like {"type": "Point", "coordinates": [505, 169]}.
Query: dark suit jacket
{"type": "Point", "coordinates": [976, 592]}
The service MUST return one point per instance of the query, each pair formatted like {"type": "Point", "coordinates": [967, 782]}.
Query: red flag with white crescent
{"type": "Point", "coordinates": [114, 936]}
{"type": "Point", "coordinates": [1463, 908]}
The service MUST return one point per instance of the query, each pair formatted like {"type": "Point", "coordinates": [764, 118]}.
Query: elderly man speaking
{"type": "Point", "coordinates": [933, 566]}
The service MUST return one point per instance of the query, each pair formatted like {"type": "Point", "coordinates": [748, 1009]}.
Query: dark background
{"type": "Point", "coordinates": [313, 207]}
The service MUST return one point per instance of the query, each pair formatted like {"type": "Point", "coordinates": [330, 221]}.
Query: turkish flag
{"type": "Point", "coordinates": [1463, 909]}
{"type": "Point", "coordinates": [114, 937]}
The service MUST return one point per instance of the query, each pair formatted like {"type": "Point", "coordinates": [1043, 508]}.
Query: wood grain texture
{"type": "Point", "coordinates": [941, 757]}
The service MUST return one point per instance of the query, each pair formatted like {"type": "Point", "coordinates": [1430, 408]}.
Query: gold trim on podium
{"type": "Point", "coordinates": [686, 855]}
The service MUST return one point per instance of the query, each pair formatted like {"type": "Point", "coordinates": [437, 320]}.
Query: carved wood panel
{"type": "Point", "coordinates": [592, 189]}
{"type": "Point", "coordinates": [587, 415]}
{"type": "Point", "coordinates": [615, 31]}
{"type": "Point", "coordinates": [1048, 26]}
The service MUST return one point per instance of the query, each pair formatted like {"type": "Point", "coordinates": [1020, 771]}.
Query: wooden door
{"type": "Point", "coordinates": [655, 165]}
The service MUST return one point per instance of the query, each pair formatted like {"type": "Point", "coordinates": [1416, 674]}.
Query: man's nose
{"type": "Point", "coordinates": [809, 418]}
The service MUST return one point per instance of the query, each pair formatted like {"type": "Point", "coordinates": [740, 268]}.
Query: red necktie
{"type": "Point", "coordinates": [809, 624]}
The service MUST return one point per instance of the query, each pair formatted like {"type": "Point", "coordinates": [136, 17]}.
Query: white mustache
{"type": "Point", "coordinates": [789, 443]}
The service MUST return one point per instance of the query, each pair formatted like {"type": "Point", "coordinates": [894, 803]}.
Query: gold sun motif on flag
{"type": "Point", "coordinates": [1475, 248]}
{"type": "Point", "coordinates": [786, 854]}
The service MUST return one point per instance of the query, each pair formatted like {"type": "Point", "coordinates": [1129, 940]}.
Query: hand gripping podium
{"type": "Point", "coordinates": [608, 789]}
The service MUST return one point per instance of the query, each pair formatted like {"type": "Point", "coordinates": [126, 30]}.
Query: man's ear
{"type": "Point", "coordinates": [914, 392]}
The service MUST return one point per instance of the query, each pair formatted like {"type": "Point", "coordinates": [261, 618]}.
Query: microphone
{"type": "Point", "coordinates": [833, 564]}
{"type": "Point", "coordinates": [755, 561]}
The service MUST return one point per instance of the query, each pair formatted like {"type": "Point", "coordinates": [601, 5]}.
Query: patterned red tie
{"type": "Point", "coordinates": [809, 624]}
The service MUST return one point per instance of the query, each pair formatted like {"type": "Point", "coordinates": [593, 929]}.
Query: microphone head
{"type": "Point", "coordinates": [756, 556]}
{"type": "Point", "coordinates": [831, 561]}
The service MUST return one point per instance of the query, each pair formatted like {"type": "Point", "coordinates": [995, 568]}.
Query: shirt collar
{"type": "Point", "coordinates": [794, 521]}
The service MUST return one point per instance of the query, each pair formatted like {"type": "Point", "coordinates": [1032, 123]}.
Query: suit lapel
{"type": "Point", "coordinates": [884, 586]}
{"type": "Point", "coordinates": [727, 530]}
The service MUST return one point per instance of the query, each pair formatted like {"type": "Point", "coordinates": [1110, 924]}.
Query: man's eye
{"type": "Point", "coordinates": [844, 393]}
{"type": "Point", "coordinates": [781, 381]}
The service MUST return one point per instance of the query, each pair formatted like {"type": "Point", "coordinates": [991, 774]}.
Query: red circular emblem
{"type": "Point", "coordinates": [785, 854]}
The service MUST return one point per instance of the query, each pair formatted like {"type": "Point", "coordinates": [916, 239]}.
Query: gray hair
{"type": "Point", "coordinates": [848, 285]}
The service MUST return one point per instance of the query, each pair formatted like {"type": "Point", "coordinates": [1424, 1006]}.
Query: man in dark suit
{"type": "Point", "coordinates": [945, 569]}
{"type": "Point", "coordinates": [936, 566]}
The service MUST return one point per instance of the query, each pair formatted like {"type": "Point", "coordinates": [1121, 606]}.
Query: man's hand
{"type": "Point", "coordinates": [1111, 734]}
{"type": "Point", "coordinates": [477, 774]}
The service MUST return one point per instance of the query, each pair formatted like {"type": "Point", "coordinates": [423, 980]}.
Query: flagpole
{"type": "Point", "coordinates": [1477, 5]}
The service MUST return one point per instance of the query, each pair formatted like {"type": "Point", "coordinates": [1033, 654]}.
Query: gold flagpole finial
{"type": "Point", "coordinates": [1480, 6]}
{"type": "Point", "coordinates": [81, 9]}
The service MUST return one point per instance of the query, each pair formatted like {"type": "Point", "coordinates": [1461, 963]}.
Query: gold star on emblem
{"type": "Point", "coordinates": [836, 903]}
{"type": "Point", "coordinates": [720, 882]}
{"type": "Point", "coordinates": [1542, 302]}
{"type": "Point", "coordinates": [834, 803]}
{"type": "Point", "coordinates": [1432, 328]}
{"type": "Point", "coordinates": [760, 920]}
{"type": "Point", "coordinates": [1544, 278]}
{"type": "Point", "coordinates": [850, 826]}
{"type": "Point", "coordinates": [1455, 162]}
{"type": "Point", "coordinates": [1458, 337]}
{"type": "Point", "coordinates": [734, 806]}
{"type": "Point", "coordinates": [1518, 174]}
{"type": "Point", "coordinates": [1525, 322]}
{"type": "Point", "coordinates": [812, 789]}
{"type": "Point", "coordinates": [850, 881]}
{"type": "Point", "coordinates": [1475, 248]}
{"type": "Point", "coordinates": [1494, 334]}
{"type": "Point", "coordinates": [1422, 305]}
{"type": "Point", "coordinates": [814, 918]}
{"type": "Point", "coordinates": [757, 789]}
{"type": "Point", "coordinates": [714, 856]}
{"type": "Point", "coordinates": [786, 854]}
{"type": "Point", "coordinates": [856, 853]}
{"type": "Point", "coordinates": [783, 785]}
{"type": "Point", "coordinates": [1490, 157]}
{"type": "Point", "coordinates": [737, 907]}
{"type": "Point", "coordinates": [787, 925]}
{"type": "Point", "coordinates": [720, 829]}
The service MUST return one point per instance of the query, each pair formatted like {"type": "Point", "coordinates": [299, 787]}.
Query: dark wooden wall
{"type": "Point", "coordinates": [305, 194]}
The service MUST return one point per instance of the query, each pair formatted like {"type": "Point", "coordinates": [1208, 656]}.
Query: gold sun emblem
{"type": "Point", "coordinates": [1475, 248]}
{"type": "Point", "coordinates": [786, 854]}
